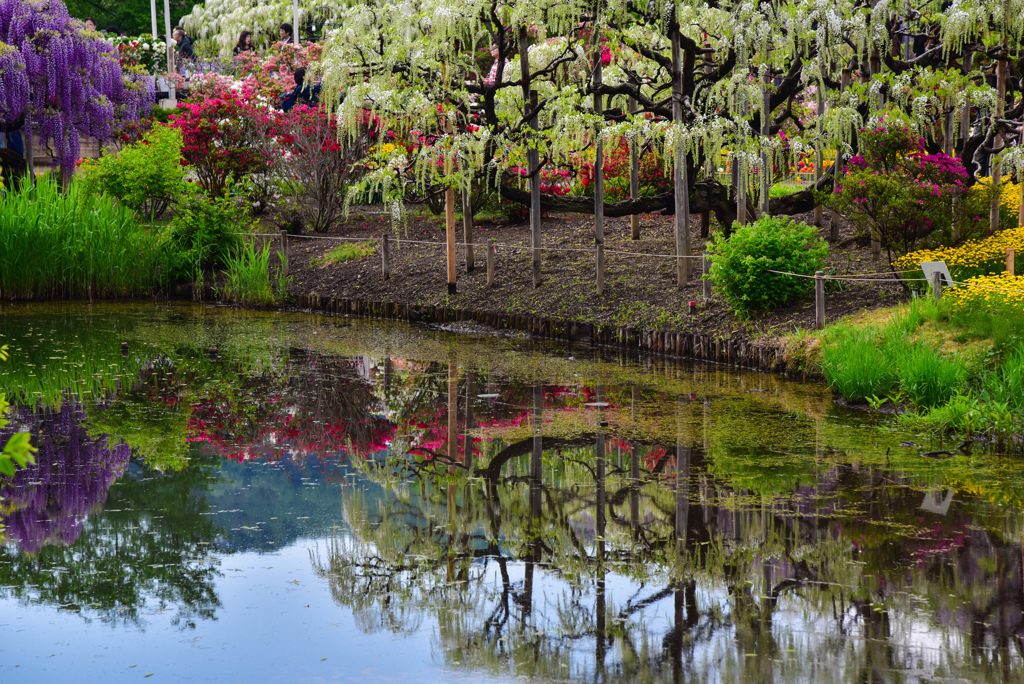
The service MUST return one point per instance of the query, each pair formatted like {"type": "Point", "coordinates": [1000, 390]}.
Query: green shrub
{"type": "Point", "coordinates": [247, 274]}
{"type": "Point", "coordinates": [741, 265]}
{"type": "Point", "coordinates": [73, 244]}
{"type": "Point", "coordinates": [855, 365]}
{"type": "Point", "coordinates": [146, 176]}
{"type": "Point", "coordinates": [202, 234]}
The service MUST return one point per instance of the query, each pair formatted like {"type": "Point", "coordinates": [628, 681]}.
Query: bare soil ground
{"type": "Point", "coordinates": [639, 290]}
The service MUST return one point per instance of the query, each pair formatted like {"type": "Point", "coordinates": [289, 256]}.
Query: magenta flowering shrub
{"type": "Point", "coordinates": [898, 193]}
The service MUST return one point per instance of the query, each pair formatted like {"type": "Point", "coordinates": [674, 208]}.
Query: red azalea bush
{"type": "Point", "coordinates": [897, 192]}
{"type": "Point", "coordinates": [321, 163]}
{"type": "Point", "coordinates": [225, 139]}
{"type": "Point", "coordinates": [616, 174]}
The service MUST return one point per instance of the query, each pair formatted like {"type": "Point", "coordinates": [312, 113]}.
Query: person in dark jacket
{"type": "Point", "coordinates": [302, 94]}
{"type": "Point", "coordinates": [287, 34]}
{"type": "Point", "coordinates": [185, 50]}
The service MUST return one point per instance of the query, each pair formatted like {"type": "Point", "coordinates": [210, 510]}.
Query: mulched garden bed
{"type": "Point", "coordinates": [639, 291]}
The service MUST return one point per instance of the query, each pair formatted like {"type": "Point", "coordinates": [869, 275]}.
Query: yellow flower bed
{"type": "Point", "coordinates": [1009, 198]}
{"type": "Point", "coordinates": [964, 297]}
{"type": "Point", "coordinates": [975, 255]}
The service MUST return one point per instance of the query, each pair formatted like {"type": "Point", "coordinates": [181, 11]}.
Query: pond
{"type": "Point", "coordinates": [238, 496]}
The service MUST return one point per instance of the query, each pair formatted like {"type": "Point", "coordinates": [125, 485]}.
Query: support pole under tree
{"type": "Point", "coordinates": [997, 144]}
{"type": "Point", "coordinates": [681, 186]}
{"type": "Point", "coordinates": [837, 165]}
{"type": "Point", "coordinates": [819, 300]}
{"type": "Point", "coordinates": [532, 156]}
{"type": "Point", "coordinates": [598, 166]}
{"type": "Point", "coordinates": [152, 7]}
{"type": "Point", "coordinates": [766, 119]}
{"type": "Point", "coordinates": [385, 257]}
{"type": "Point", "coordinates": [295, 22]}
{"type": "Point", "coordinates": [634, 177]}
{"type": "Point", "coordinates": [467, 227]}
{"type": "Point", "coordinates": [819, 157]}
{"type": "Point", "coordinates": [449, 218]}
{"type": "Point", "coordinates": [965, 111]}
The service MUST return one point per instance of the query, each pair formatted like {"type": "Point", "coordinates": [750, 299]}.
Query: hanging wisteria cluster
{"type": "Point", "coordinates": [75, 85]}
{"type": "Point", "coordinates": [13, 88]}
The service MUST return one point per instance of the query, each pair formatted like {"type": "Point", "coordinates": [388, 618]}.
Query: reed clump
{"type": "Point", "coordinates": [57, 243]}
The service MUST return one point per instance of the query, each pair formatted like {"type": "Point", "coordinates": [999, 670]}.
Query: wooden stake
{"type": "Point", "coordinates": [490, 265]}
{"type": "Point", "coordinates": [385, 257]}
{"type": "Point", "coordinates": [819, 300]}
{"type": "Point", "coordinates": [1009, 262]}
{"type": "Point", "coordinates": [284, 252]}
{"type": "Point", "coordinates": [467, 228]}
{"type": "Point", "coordinates": [634, 178]}
{"type": "Point", "coordinates": [449, 222]}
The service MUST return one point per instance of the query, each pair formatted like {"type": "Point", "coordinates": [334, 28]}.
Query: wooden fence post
{"type": "Point", "coordinates": [284, 252]}
{"type": "Point", "coordinates": [937, 285]}
{"type": "Point", "coordinates": [467, 227]}
{"type": "Point", "coordinates": [1009, 261]}
{"type": "Point", "coordinates": [819, 300]}
{"type": "Point", "coordinates": [490, 265]}
{"type": "Point", "coordinates": [385, 257]}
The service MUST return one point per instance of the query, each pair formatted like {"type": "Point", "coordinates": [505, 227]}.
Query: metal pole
{"type": "Point", "coordinates": [681, 185]}
{"type": "Point", "coordinates": [295, 21]}
{"type": "Point", "coordinates": [171, 95]}
{"type": "Point", "coordinates": [152, 7]}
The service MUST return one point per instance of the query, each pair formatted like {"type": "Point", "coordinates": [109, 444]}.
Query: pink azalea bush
{"type": "Point", "coordinates": [897, 192]}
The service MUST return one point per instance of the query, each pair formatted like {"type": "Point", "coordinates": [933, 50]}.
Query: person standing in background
{"type": "Point", "coordinates": [244, 44]}
{"type": "Point", "coordinates": [287, 35]}
{"type": "Point", "coordinates": [185, 50]}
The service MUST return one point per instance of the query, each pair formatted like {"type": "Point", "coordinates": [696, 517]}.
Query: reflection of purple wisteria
{"type": "Point", "coordinates": [48, 502]}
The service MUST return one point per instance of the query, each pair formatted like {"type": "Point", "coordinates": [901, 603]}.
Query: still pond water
{"type": "Point", "coordinates": [249, 497]}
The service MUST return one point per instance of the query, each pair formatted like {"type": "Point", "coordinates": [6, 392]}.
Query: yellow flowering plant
{"type": "Point", "coordinates": [987, 292]}
{"type": "Point", "coordinates": [973, 258]}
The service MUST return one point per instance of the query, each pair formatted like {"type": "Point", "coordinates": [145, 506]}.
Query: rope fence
{"type": "Point", "coordinates": [491, 248]}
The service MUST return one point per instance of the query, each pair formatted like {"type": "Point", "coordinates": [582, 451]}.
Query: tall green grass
{"type": "Point", "coordinates": [56, 244]}
{"type": "Point", "coordinates": [856, 366]}
{"type": "Point", "coordinates": [248, 278]}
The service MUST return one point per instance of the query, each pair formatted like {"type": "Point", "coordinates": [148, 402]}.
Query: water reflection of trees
{"type": "Point", "coordinates": [113, 551]}
{"type": "Point", "coordinates": [840, 574]}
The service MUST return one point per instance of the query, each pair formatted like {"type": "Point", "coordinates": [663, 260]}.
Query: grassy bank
{"type": "Point", "coordinates": [947, 369]}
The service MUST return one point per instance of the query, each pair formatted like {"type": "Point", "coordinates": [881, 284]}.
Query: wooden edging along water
{"type": "Point", "coordinates": [733, 351]}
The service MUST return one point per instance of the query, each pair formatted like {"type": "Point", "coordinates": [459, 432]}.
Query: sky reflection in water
{"type": "Point", "coordinates": [264, 497]}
